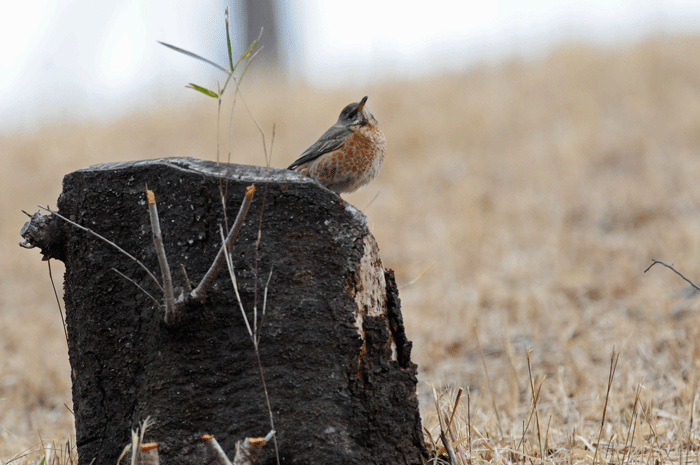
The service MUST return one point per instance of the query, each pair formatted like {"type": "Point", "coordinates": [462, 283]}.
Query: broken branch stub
{"type": "Point", "coordinates": [333, 349]}
{"type": "Point", "coordinates": [168, 291]}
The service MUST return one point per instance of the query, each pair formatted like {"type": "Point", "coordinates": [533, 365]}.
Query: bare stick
{"type": "Point", "coordinates": [454, 408]}
{"type": "Point", "coordinates": [449, 423]}
{"type": "Point", "coordinates": [247, 451]}
{"type": "Point", "coordinates": [126, 449]}
{"type": "Point", "coordinates": [267, 284]}
{"type": "Point", "coordinates": [224, 191]}
{"type": "Point", "coordinates": [264, 309]}
{"type": "Point", "coordinates": [137, 285]}
{"type": "Point", "coordinates": [272, 145]}
{"type": "Point", "coordinates": [469, 422]}
{"type": "Point", "coordinates": [200, 292]}
{"type": "Point", "coordinates": [655, 441]}
{"type": "Point", "coordinates": [171, 313]}
{"type": "Point", "coordinates": [373, 199]}
{"type": "Point", "coordinates": [257, 242]}
{"type": "Point", "coordinates": [546, 435]}
{"type": "Point", "coordinates": [262, 208]}
{"type": "Point", "coordinates": [419, 277]}
{"type": "Point", "coordinates": [108, 242]}
{"type": "Point", "coordinates": [439, 416]}
{"type": "Point", "coordinates": [216, 448]}
{"type": "Point", "coordinates": [535, 398]}
{"type": "Point", "coordinates": [260, 129]}
{"type": "Point", "coordinates": [629, 440]}
{"type": "Point", "coordinates": [690, 436]}
{"type": "Point", "coordinates": [238, 81]}
{"type": "Point", "coordinates": [448, 447]}
{"type": "Point", "coordinates": [187, 279]}
{"type": "Point", "coordinates": [137, 440]}
{"type": "Point", "coordinates": [255, 344]}
{"type": "Point", "coordinates": [655, 261]}
{"type": "Point", "coordinates": [58, 302]}
{"type": "Point", "coordinates": [526, 427]}
{"type": "Point", "coordinates": [255, 309]}
{"type": "Point", "coordinates": [235, 284]}
{"type": "Point", "coordinates": [145, 424]}
{"type": "Point", "coordinates": [444, 436]}
{"type": "Point", "coordinates": [269, 406]}
{"type": "Point", "coordinates": [222, 194]}
{"type": "Point", "coordinates": [255, 336]}
{"type": "Point", "coordinates": [613, 366]}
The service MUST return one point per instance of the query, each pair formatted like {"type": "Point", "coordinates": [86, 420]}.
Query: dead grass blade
{"type": "Point", "coordinates": [613, 366]}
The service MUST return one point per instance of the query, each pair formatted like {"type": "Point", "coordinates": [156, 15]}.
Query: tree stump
{"type": "Point", "coordinates": [335, 356]}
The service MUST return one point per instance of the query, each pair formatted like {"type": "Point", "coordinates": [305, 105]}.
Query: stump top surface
{"type": "Point", "coordinates": [233, 171]}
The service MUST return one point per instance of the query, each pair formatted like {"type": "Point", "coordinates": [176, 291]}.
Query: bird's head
{"type": "Point", "coordinates": [356, 114]}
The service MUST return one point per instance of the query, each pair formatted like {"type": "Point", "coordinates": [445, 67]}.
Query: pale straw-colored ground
{"type": "Point", "coordinates": [538, 191]}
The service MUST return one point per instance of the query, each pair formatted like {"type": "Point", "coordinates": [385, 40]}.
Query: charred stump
{"type": "Point", "coordinates": [332, 346]}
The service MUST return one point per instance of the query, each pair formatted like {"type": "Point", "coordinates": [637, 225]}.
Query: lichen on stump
{"type": "Point", "coordinates": [334, 352]}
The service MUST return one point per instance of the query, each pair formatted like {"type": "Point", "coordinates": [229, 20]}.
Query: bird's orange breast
{"type": "Point", "coordinates": [354, 164]}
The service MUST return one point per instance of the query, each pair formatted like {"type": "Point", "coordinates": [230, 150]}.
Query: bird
{"type": "Point", "coordinates": [347, 156]}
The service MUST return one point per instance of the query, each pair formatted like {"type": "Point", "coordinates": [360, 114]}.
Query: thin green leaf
{"type": "Point", "coordinates": [193, 55]}
{"type": "Point", "coordinates": [228, 43]}
{"type": "Point", "coordinates": [243, 57]}
{"type": "Point", "coordinates": [250, 49]}
{"type": "Point", "coordinates": [203, 90]}
{"type": "Point", "coordinates": [240, 78]}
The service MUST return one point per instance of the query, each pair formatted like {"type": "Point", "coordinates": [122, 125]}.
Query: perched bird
{"type": "Point", "coordinates": [347, 156]}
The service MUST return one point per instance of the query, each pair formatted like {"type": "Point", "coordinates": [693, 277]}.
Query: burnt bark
{"type": "Point", "coordinates": [333, 348]}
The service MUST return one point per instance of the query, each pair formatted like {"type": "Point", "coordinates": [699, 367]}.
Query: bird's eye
{"type": "Point", "coordinates": [352, 114]}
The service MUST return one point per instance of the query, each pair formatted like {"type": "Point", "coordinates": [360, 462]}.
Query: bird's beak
{"type": "Point", "coordinates": [362, 104]}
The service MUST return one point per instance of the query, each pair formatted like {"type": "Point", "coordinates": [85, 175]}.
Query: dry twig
{"type": "Point", "coordinates": [613, 366]}
{"type": "Point", "coordinates": [200, 291]}
{"type": "Point", "coordinates": [655, 261]}
{"type": "Point", "coordinates": [107, 241]}
{"type": "Point", "coordinates": [58, 302]}
{"type": "Point", "coordinates": [535, 399]}
{"type": "Point", "coordinates": [171, 313]}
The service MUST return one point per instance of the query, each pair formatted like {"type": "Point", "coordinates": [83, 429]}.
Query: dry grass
{"type": "Point", "coordinates": [540, 191]}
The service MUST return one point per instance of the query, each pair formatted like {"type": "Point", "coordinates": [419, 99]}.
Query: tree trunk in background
{"type": "Point", "coordinates": [261, 14]}
{"type": "Point", "coordinates": [333, 348]}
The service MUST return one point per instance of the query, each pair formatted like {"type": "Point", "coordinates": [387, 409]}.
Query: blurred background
{"type": "Point", "coordinates": [539, 155]}
{"type": "Point", "coordinates": [95, 59]}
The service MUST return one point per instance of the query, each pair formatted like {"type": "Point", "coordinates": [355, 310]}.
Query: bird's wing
{"type": "Point", "coordinates": [329, 141]}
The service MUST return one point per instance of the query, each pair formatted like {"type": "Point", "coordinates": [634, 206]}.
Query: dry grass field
{"type": "Point", "coordinates": [537, 190]}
